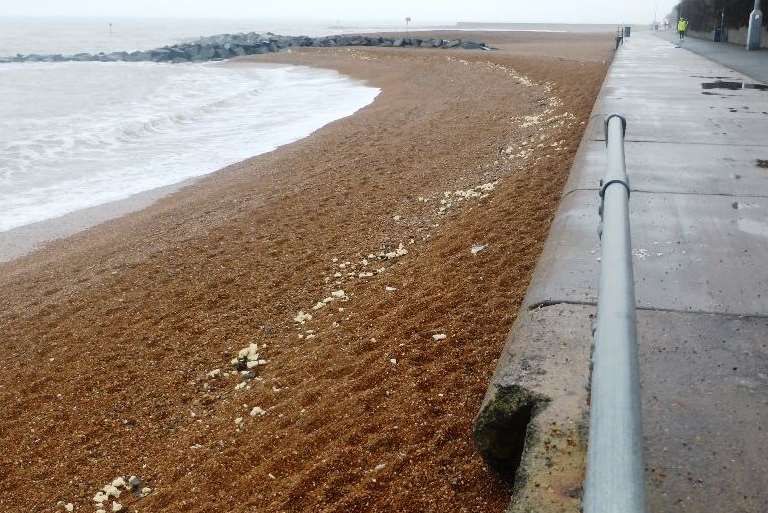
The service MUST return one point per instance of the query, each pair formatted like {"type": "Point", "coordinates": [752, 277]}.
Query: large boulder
{"type": "Point", "coordinates": [138, 56]}
{"type": "Point", "coordinates": [472, 45]}
{"type": "Point", "coordinates": [160, 55]}
{"type": "Point", "coordinates": [117, 56]}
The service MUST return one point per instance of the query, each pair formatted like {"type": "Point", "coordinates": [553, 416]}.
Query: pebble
{"type": "Point", "coordinates": [257, 412]}
{"type": "Point", "coordinates": [239, 421]}
{"type": "Point", "coordinates": [439, 337]}
{"type": "Point", "coordinates": [100, 497]}
{"type": "Point", "coordinates": [400, 251]}
{"type": "Point", "coordinates": [134, 482]}
{"type": "Point", "coordinates": [477, 248]}
{"type": "Point", "coordinates": [215, 373]}
{"type": "Point", "coordinates": [390, 289]}
{"type": "Point", "coordinates": [146, 491]}
{"type": "Point", "coordinates": [339, 294]}
{"type": "Point", "coordinates": [116, 507]}
{"type": "Point", "coordinates": [393, 361]}
{"type": "Point", "coordinates": [69, 506]}
{"type": "Point", "coordinates": [118, 482]}
{"type": "Point", "coordinates": [111, 491]}
{"type": "Point", "coordinates": [302, 317]}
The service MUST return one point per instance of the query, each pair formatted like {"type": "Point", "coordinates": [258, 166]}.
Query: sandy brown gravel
{"type": "Point", "coordinates": [108, 336]}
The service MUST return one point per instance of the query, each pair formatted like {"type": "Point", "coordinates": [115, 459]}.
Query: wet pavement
{"type": "Point", "coordinates": [699, 215]}
{"type": "Point", "coordinates": [753, 64]}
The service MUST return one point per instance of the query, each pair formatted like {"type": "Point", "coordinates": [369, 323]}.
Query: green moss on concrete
{"type": "Point", "coordinates": [502, 427]}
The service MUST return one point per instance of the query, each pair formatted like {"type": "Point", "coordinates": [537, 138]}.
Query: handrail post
{"type": "Point", "coordinates": [615, 481]}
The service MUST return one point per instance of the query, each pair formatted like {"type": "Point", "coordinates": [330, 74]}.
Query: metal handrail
{"type": "Point", "coordinates": [615, 481]}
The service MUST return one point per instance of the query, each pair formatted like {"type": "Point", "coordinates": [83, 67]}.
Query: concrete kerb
{"type": "Point", "coordinates": [544, 368]}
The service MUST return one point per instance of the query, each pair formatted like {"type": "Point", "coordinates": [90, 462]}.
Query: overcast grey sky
{"type": "Point", "coordinates": [384, 11]}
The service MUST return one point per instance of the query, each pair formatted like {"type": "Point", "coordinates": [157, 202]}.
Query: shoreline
{"type": "Point", "coordinates": [428, 208]}
{"type": "Point", "coordinates": [25, 239]}
{"type": "Point", "coordinates": [29, 238]}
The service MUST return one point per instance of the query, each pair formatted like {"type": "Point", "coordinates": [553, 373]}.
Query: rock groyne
{"type": "Point", "coordinates": [226, 46]}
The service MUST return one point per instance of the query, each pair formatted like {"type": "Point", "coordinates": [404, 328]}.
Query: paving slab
{"type": "Point", "coordinates": [668, 167]}
{"type": "Point", "coordinates": [704, 381]}
{"type": "Point", "coordinates": [689, 254]}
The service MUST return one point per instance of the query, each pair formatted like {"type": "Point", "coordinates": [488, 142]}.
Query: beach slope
{"type": "Point", "coordinates": [408, 232]}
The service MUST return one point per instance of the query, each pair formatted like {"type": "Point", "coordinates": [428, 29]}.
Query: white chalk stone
{"type": "Point", "coordinates": [215, 373]}
{"type": "Point", "coordinates": [477, 248]}
{"type": "Point", "coordinates": [257, 412]}
{"type": "Point", "coordinates": [146, 491]}
{"type": "Point", "coordinates": [441, 336]}
{"type": "Point", "coordinates": [339, 294]}
{"type": "Point", "coordinates": [302, 317]}
{"type": "Point", "coordinates": [116, 507]}
{"type": "Point", "coordinates": [100, 497]}
{"type": "Point", "coordinates": [399, 252]}
{"type": "Point", "coordinates": [390, 289]}
{"type": "Point", "coordinates": [111, 491]}
{"type": "Point", "coordinates": [69, 506]}
{"type": "Point", "coordinates": [118, 482]}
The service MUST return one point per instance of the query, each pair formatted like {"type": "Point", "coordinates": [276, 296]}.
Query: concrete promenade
{"type": "Point", "coordinates": [699, 215]}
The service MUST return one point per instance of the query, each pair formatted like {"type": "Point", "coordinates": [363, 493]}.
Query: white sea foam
{"type": "Point", "coordinates": [76, 135]}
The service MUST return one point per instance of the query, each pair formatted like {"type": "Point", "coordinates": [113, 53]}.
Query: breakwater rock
{"type": "Point", "coordinates": [226, 46]}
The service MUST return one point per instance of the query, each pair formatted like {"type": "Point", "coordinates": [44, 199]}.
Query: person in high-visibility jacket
{"type": "Point", "coordinates": [682, 27]}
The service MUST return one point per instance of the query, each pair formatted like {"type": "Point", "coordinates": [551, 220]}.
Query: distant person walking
{"type": "Point", "coordinates": [682, 27]}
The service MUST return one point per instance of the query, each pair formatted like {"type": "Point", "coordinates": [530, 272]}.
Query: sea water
{"type": "Point", "coordinates": [75, 135]}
